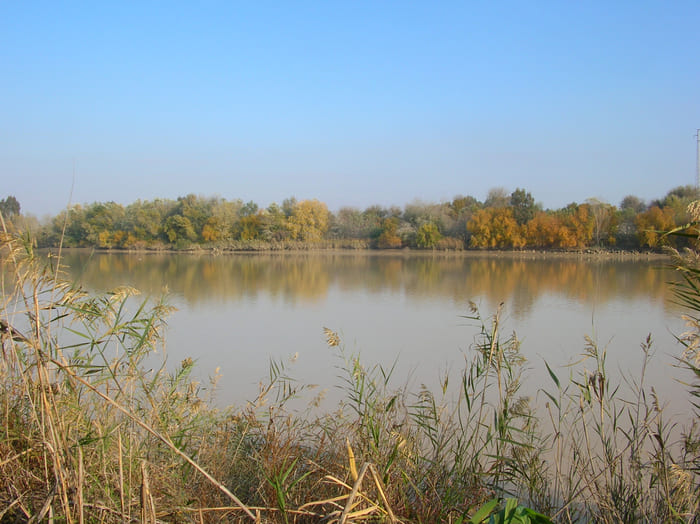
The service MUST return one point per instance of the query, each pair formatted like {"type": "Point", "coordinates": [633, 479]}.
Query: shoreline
{"type": "Point", "coordinates": [528, 254]}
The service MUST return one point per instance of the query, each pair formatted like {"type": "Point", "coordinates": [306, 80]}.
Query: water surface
{"type": "Point", "coordinates": [236, 312]}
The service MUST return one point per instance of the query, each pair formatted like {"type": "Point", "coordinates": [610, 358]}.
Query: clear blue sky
{"type": "Point", "coordinates": [354, 103]}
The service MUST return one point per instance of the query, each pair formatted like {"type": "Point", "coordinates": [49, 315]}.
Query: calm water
{"type": "Point", "coordinates": [236, 312]}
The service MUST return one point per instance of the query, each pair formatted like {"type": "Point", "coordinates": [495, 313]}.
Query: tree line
{"type": "Point", "coordinates": [502, 221]}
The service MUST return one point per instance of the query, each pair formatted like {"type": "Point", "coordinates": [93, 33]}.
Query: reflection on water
{"type": "Point", "coordinates": [238, 311]}
{"type": "Point", "coordinates": [308, 278]}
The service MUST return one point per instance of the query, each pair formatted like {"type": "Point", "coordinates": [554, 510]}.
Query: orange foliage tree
{"type": "Point", "coordinates": [577, 231]}
{"type": "Point", "coordinates": [495, 227]}
{"type": "Point", "coordinates": [544, 230]}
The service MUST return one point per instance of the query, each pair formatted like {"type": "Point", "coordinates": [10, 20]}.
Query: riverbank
{"type": "Point", "coordinates": [587, 254]}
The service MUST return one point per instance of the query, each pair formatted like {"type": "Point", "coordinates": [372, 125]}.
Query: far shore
{"type": "Point", "coordinates": [530, 254]}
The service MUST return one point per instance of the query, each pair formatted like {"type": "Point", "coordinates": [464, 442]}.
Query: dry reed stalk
{"type": "Point", "coordinates": [347, 510]}
{"type": "Point", "coordinates": [165, 440]}
{"type": "Point", "coordinates": [148, 511]}
{"type": "Point", "coordinates": [353, 493]}
{"type": "Point", "coordinates": [81, 481]}
{"type": "Point", "coordinates": [121, 472]}
{"type": "Point", "coordinates": [382, 492]}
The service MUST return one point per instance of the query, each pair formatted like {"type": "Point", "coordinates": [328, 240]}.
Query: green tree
{"type": "Point", "coordinates": [633, 203]}
{"type": "Point", "coordinates": [523, 205]}
{"type": "Point", "coordinates": [69, 227]}
{"type": "Point", "coordinates": [197, 211]}
{"type": "Point", "coordinates": [274, 226]}
{"type": "Point", "coordinates": [145, 219]}
{"type": "Point", "coordinates": [428, 236]}
{"type": "Point", "coordinates": [682, 195]}
{"type": "Point", "coordinates": [9, 207]}
{"type": "Point", "coordinates": [248, 209]}
{"type": "Point", "coordinates": [104, 224]}
{"type": "Point", "coordinates": [179, 230]}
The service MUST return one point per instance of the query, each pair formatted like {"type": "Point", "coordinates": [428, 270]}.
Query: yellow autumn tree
{"type": "Point", "coordinates": [495, 227]}
{"type": "Point", "coordinates": [308, 221]}
{"type": "Point", "coordinates": [652, 223]}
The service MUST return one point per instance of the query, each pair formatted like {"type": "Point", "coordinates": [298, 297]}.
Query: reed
{"type": "Point", "coordinates": [97, 427]}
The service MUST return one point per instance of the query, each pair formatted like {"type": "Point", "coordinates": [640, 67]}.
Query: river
{"type": "Point", "coordinates": [236, 312]}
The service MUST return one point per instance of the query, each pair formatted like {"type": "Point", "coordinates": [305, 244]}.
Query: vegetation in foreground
{"type": "Point", "coordinates": [93, 430]}
{"type": "Point", "coordinates": [502, 221]}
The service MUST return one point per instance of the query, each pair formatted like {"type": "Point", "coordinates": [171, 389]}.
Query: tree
{"type": "Point", "coordinates": [197, 211]}
{"type": "Point", "coordinates": [604, 221]}
{"type": "Point", "coordinates": [544, 230]}
{"type": "Point", "coordinates": [633, 203]}
{"type": "Point", "coordinates": [105, 224]}
{"type": "Point", "coordinates": [460, 211]}
{"type": "Point", "coordinates": [9, 207]}
{"type": "Point", "coordinates": [250, 227]}
{"type": "Point", "coordinates": [683, 194]}
{"type": "Point", "coordinates": [495, 227]}
{"type": "Point", "coordinates": [374, 217]}
{"type": "Point", "coordinates": [462, 205]}
{"type": "Point", "coordinates": [145, 220]}
{"type": "Point", "coordinates": [578, 226]}
{"type": "Point", "coordinates": [523, 205]}
{"type": "Point", "coordinates": [497, 197]}
{"type": "Point", "coordinates": [179, 229]}
{"type": "Point", "coordinates": [274, 226]}
{"type": "Point", "coordinates": [212, 231]}
{"type": "Point", "coordinates": [248, 209]}
{"type": "Point", "coordinates": [388, 238]}
{"type": "Point", "coordinates": [652, 223]}
{"type": "Point", "coordinates": [288, 205]}
{"type": "Point", "coordinates": [69, 227]}
{"type": "Point", "coordinates": [309, 221]}
{"type": "Point", "coordinates": [428, 236]}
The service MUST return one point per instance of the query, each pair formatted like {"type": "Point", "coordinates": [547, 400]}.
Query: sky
{"type": "Point", "coordinates": [353, 103]}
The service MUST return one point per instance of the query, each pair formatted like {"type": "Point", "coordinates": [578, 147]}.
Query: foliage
{"type": "Point", "coordinates": [9, 207]}
{"type": "Point", "coordinates": [428, 236]}
{"type": "Point", "coordinates": [511, 512]}
{"type": "Point", "coordinates": [497, 197]}
{"type": "Point", "coordinates": [633, 203]}
{"type": "Point", "coordinates": [495, 227]}
{"type": "Point", "coordinates": [604, 220]}
{"type": "Point", "coordinates": [651, 225]}
{"type": "Point", "coordinates": [523, 204]}
{"type": "Point", "coordinates": [388, 238]}
{"type": "Point", "coordinates": [309, 221]}
{"type": "Point", "coordinates": [503, 221]}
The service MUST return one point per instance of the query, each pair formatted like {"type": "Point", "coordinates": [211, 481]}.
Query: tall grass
{"type": "Point", "coordinates": [96, 427]}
